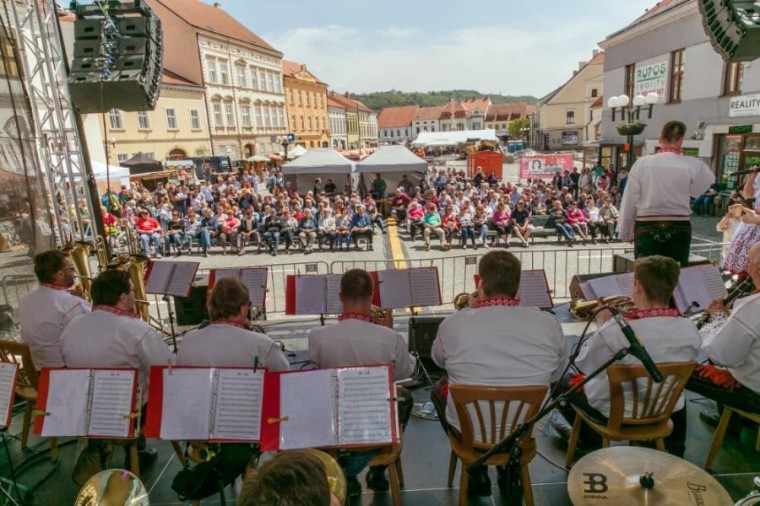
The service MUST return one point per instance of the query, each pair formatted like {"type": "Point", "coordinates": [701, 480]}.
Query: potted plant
{"type": "Point", "coordinates": [634, 127]}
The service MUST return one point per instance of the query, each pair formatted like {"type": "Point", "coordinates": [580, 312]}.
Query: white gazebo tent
{"type": "Point", "coordinates": [320, 163]}
{"type": "Point", "coordinates": [392, 162]}
{"type": "Point", "coordinates": [103, 173]}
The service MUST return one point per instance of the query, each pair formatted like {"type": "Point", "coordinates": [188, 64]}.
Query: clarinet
{"type": "Point", "coordinates": [734, 294]}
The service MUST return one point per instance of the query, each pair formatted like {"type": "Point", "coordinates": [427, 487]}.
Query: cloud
{"type": "Point", "coordinates": [512, 59]}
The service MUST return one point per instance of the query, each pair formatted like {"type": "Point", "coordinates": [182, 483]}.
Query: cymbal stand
{"type": "Point", "coordinates": [9, 486]}
{"type": "Point", "coordinates": [171, 321]}
{"type": "Point", "coordinates": [511, 444]}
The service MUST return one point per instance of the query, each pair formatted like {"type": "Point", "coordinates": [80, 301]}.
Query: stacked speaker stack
{"type": "Point", "coordinates": [118, 55]}
{"type": "Point", "coordinates": [733, 27]}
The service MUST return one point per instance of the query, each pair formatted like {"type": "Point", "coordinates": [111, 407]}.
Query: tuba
{"type": "Point", "coordinates": [79, 253]}
{"type": "Point", "coordinates": [582, 309]}
{"type": "Point", "coordinates": [102, 253]}
{"type": "Point", "coordinates": [135, 265]}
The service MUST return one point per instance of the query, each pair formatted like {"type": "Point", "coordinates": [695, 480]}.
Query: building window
{"type": "Point", "coordinates": [300, 98]}
{"type": "Point", "coordinates": [224, 72]}
{"type": "Point", "coordinates": [229, 115]}
{"type": "Point", "coordinates": [733, 75]}
{"type": "Point", "coordinates": [195, 119]}
{"type": "Point", "coordinates": [259, 117]}
{"type": "Point", "coordinates": [122, 157]}
{"type": "Point", "coordinates": [293, 122]}
{"type": "Point", "coordinates": [303, 125]}
{"type": "Point", "coordinates": [269, 118]}
{"type": "Point", "coordinates": [309, 122]}
{"type": "Point", "coordinates": [171, 118]}
{"type": "Point", "coordinates": [218, 121]}
{"type": "Point", "coordinates": [240, 76]}
{"type": "Point", "coordinates": [245, 114]}
{"type": "Point", "coordinates": [114, 118]}
{"type": "Point", "coordinates": [570, 117]}
{"type": "Point", "coordinates": [308, 102]}
{"type": "Point", "coordinates": [254, 78]}
{"type": "Point", "coordinates": [677, 62]}
{"type": "Point", "coordinates": [594, 93]}
{"type": "Point", "coordinates": [278, 83]}
{"type": "Point", "coordinates": [143, 120]}
{"type": "Point", "coordinates": [212, 77]}
{"type": "Point", "coordinates": [630, 79]}
{"type": "Point", "coordinates": [281, 118]}
{"type": "Point", "coordinates": [262, 80]}
{"type": "Point", "coordinates": [270, 81]}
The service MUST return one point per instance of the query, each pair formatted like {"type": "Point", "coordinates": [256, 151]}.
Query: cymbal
{"type": "Point", "coordinates": [613, 476]}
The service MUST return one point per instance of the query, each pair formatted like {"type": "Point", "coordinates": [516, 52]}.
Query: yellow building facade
{"type": "Point", "coordinates": [306, 102]}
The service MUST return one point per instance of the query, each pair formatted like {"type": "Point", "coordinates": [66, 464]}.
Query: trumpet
{"type": "Point", "coordinates": [378, 315]}
{"type": "Point", "coordinates": [464, 300]}
{"type": "Point", "coordinates": [582, 309]}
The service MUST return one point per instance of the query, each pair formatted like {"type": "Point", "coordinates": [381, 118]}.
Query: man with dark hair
{"type": "Point", "coordinates": [358, 339]}
{"type": "Point", "coordinates": [655, 210]}
{"type": "Point", "coordinates": [46, 311]}
{"type": "Point", "coordinates": [226, 342]}
{"type": "Point", "coordinates": [667, 337]}
{"type": "Point", "coordinates": [294, 478]}
{"type": "Point", "coordinates": [489, 343]}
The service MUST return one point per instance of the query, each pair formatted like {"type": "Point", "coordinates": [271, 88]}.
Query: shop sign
{"type": "Point", "coordinates": [544, 167]}
{"type": "Point", "coordinates": [570, 138]}
{"type": "Point", "coordinates": [740, 129]}
{"type": "Point", "coordinates": [651, 79]}
{"type": "Point", "coordinates": [746, 105]}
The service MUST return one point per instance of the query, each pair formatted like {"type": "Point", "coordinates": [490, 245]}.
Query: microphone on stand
{"type": "Point", "coordinates": [637, 349]}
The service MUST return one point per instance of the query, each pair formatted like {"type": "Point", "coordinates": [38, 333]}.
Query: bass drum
{"type": "Point", "coordinates": [111, 487]}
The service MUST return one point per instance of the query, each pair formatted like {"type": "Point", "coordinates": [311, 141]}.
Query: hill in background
{"type": "Point", "coordinates": [380, 99]}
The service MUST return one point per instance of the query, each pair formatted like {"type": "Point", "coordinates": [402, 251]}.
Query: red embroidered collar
{"type": "Point", "coordinates": [355, 316]}
{"type": "Point", "coordinates": [55, 287]}
{"type": "Point", "coordinates": [116, 311]}
{"type": "Point", "coordinates": [498, 301]}
{"type": "Point", "coordinates": [228, 322]}
{"type": "Point", "coordinates": [671, 150]}
{"type": "Point", "coordinates": [651, 313]}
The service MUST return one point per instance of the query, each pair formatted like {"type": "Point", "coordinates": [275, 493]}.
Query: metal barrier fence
{"type": "Point", "coordinates": [16, 286]}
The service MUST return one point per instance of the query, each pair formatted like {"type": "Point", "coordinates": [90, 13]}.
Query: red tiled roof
{"type": "Point", "coordinates": [291, 68]}
{"type": "Point", "coordinates": [391, 117]}
{"type": "Point", "coordinates": [507, 112]}
{"type": "Point", "coordinates": [661, 5]}
{"type": "Point", "coordinates": [169, 77]}
{"type": "Point", "coordinates": [476, 103]}
{"type": "Point", "coordinates": [598, 59]}
{"type": "Point", "coordinates": [333, 102]}
{"type": "Point", "coordinates": [213, 19]}
{"type": "Point", "coordinates": [347, 102]}
{"type": "Point", "coordinates": [429, 113]}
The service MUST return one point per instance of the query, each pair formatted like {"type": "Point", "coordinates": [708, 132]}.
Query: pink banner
{"type": "Point", "coordinates": [545, 166]}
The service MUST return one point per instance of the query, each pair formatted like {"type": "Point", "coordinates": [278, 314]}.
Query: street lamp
{"type": "Point", "coordinates": [630, 111]}
{"type": "Point", "coordinates": [285, 142]}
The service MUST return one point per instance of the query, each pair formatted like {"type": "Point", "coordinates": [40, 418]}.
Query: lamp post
{"type": "Point", "coordinates": [284, 142]}
{"type": "Point", "coordinates": [630, 111]}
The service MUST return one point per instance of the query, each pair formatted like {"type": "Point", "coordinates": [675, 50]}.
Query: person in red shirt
{"type": "Point", "coordinates": [110, 222]}
{"type": "Point", "coordinates": [149, 230]}
{"type": "Point", "coordinates": [399, 202]}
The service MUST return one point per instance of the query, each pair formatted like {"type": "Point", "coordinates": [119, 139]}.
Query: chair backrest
{"type": "Point", "coordinates": [488, 414]}
{"type": "Point", "coordinates": [652, 403]}
{"type": "Point", "coordinates": [18, 353]}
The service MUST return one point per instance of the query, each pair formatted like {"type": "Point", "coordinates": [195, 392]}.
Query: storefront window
{"type": "Point", "coordinates": [729, 151]}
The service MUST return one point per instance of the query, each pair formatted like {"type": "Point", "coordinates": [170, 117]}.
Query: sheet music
{"type": "Point", "coordinates": [237, 414]}
{"type": "Point", "coordinates": [533, 290]}
{"type": "Point", "coordinates": [157, 281]}
{"type": "Point", "coordinates": [613, 285]}
{"type": "Point", "coordinates": [700, 284]}
{"type": "Point", "coordinates": [364, 405]}
{"type": "Point", "coordinates": [8, 372]}
{"type": "Point", "coordinates": [226, 273]}
{"type": "Point", "coordinates": [395, 288]}
{"type": "Point", "coordinates": [424, 286]}
{"type": "Point", "coordinates": [256, 281]}
{"type": "Point", "coordinates": [112, 397]}
{"type": "Point", "coordinates": [306, 399]}
{"type": "Point", "coordinates": [310, 294]}
{"type": "Point", "coordinates": [186, 403]}
{"type": "Point", "coordinates": [181, 279]}
{"type": "Point", "coordinates": [68, 396]}
{"type": "Point", "coordinates": [333, 305]}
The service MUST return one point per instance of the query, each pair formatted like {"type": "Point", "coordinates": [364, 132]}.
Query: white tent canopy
{"type": "Point", "coordinates": [392, 159]}
{"type": "Point", "coordinates": [320, 163]}
{"type": "Point", "coordinates": [115, 173]}
{"type": "Point", "coordinates": [453, 138]}
{"type": "Point", "coordinates": [298, 151]}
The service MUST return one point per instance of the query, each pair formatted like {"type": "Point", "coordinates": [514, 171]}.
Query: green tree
{"type": "Point", "coordinates": [516, 127]}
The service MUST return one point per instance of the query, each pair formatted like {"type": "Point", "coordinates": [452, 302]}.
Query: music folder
{"type": "Point", "coordinates": [698, 286]}
{"type": "Point", "coordinates": [608, 286]}
{"type": "Point", "coordinates": [170, 278]}
{"type": "Point", "coordinates": [8, 378]}
{"type": "Point", "coordinates": [403, 288]}
{"type": "Point", "coordinates": [341, 407]}
{"type": "Point", "coordinates": [534, 289]}
{"type": "Point", "coordinates": [254, 278]}
{"type": "Point", "coordinates": [87, 402]}
{"type": "Point", "coordinates": [205, 403]}
{"type": "Point", "coordinates": [313, 294]}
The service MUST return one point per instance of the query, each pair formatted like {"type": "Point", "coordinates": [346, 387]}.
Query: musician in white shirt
{"type": "Point", "coordinates": [46, 311]}
{"type": "Point", "coordinates": [358, 340]}
{"type": "Point", "coordinates": [226, 342]}
{"type": "Point", "coordinates": [666, 336]}
{"type": "Point", "coordinates": [496, 343]}
{"type": "Point", "coordinates": [656, 206]}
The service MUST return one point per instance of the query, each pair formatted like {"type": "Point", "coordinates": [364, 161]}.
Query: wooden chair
{"type": "Point", "coordinates": [390, 456]}
{"type": "Point", "coordinates": [504, 408]}
{"type": "Point", "coordinates": [652, 405]}
{"type": "Point", "coordinates": [26, 387]}
{"type": "Point", "coordinates": [720, 431]}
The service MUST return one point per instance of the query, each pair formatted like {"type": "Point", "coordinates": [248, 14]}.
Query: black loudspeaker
{"type": "Point", "coordinates": [192, 310]}
{"type": "Point", "coordinates": [733, 27]}
{"type": "Point", "coordinates": [422, 332]}
{"type": "Point", "coordinates": [118, 59]}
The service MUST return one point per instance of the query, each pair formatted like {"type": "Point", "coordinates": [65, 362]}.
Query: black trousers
{"type": "Point", "coordinates": [667, 238]}
{"type": "Point", "coordinates": [742, 398]}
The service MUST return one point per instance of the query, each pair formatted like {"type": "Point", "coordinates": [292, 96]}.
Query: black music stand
{"type": "Point", "coordinates": [422, 332]}
{"type": "Point", "coordinates": [9, 486]}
